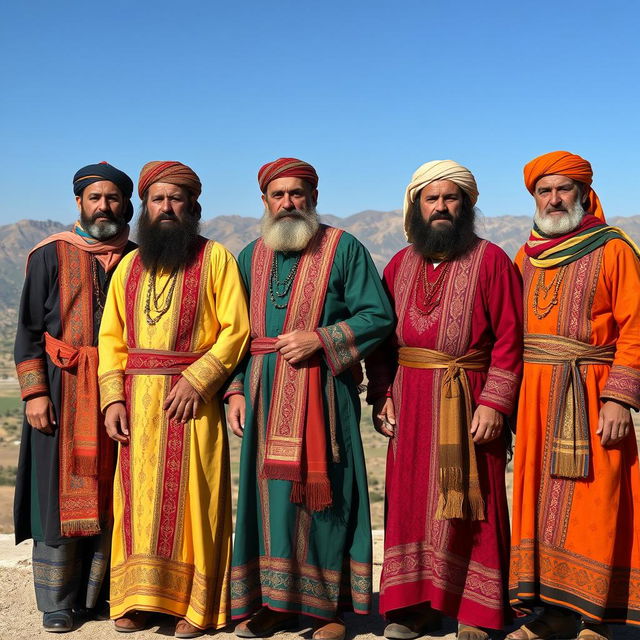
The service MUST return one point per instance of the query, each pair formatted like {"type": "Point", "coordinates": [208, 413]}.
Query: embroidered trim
{"type": "Point", "coordinates": [339, 344]}
{"type": "Point", "coordinates": [32, 376]}
{"type": "Point", "coordinates": [206, 375]}
{"type": "Point", "coordinates": [500, 389]}
{"type": "Point", "coordinates": [598, 590]}
{"type": "Point", "coordinates": [420, 561]}
{"type": "Point", "coordinates": [181, 584]}
{"type": "Point", "coordinates": [286, 580]}
{"type": "Point", "coordinates": [623, 384]}
{"type": "Point", "coordinates": [234, 387]}
{"type": "Point", "coordinates": [111, 388]}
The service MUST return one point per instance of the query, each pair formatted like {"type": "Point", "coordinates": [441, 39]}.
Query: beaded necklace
{"type": "Point", "coordinates": [431, 291]}
{"type": "Point", "coordinates": [98, 293]}
{"type": "Point", "coordinates": [280, 288]}
{"type": "Point", "coordinates": [543, 311]}
{"type": "Point", "coordinates": [156, 297]}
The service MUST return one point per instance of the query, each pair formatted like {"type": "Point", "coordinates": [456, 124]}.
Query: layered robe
{"type": "Point", "coordinates": [172, 494]}
{"type": "Point", "coordinates": [60, 297]}
{"type": "Point", "coordinates": [285, 556]}
{"type": "Point", "coordinates": [576, 542]}
{"type": "Point", "coordinates": [457, 566]}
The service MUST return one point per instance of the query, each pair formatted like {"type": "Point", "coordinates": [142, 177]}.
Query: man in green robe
{"type": "Point", "coordinates": [317, 307]}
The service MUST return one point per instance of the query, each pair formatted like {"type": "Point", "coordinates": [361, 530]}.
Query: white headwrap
{"type": "Point", "coordinates": [438, 170]}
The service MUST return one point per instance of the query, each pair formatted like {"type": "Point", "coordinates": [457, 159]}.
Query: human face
{"type": "Point", "coordinates": [289, 195]}
{"type": "Point", "coordinates": [168, 204]}
{"type": "Point", "coordinates": [555, 196]}
{"type": "Point", "coordinates": [441, 203]}
{"type": "Point", "coordinates": [102, 207]}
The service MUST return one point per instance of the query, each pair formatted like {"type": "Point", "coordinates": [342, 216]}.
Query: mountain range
{"type": "Point", "coordinates": [380, 231]}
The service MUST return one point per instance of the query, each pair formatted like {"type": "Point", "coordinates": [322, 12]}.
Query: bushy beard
{"type": "Point", "coordinates": [166, 246]}
{"type": "Point", "coordinates": [440, 242]}
{"type": "Point", "coordinates": [105, 229]}
{"type": "Point", "coordinates": [289, 230]}
{"type": "Point", "coordinates": [554, 225]}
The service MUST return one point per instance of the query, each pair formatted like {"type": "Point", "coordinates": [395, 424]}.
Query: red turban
{"type": "Point", "coordinates": [566, 164]}
{"type": "Point", "coordinates": [171, 172]}
{"type": "Point", "coordinates": [286, 168]}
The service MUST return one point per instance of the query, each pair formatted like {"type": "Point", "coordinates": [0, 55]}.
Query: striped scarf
{"type": "Point", "coordinates": [545, 252]}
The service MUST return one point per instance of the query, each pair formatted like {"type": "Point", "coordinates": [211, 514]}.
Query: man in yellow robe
{"type": "Point", "coordinates": [174, 327]}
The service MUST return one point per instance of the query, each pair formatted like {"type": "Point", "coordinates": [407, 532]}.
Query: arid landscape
{"type": "Point", "coordinates": [381, 232]}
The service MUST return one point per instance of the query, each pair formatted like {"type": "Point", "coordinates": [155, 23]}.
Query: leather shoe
{"type": "Point", "coordinates": [184, 629]}
{"type": "Point", "coordinates": [331, 630]}
{"type": "Point", "coordinates": [406, 624]}
{"type": "Point", "coordinates": [132, 621]}
{"type": "Point", "coordinates": [58, 621]}
{"type": "Point", "coordinates": [266, 622]}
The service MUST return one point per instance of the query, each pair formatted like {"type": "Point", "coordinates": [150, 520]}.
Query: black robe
{"type": "Point", "coordinates": [36, 503]}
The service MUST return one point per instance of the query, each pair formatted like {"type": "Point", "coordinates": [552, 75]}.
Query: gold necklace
{"type": "Point", "coordinates": [151, 294]}
{"type": "Point", "coordinates": [543, 311]}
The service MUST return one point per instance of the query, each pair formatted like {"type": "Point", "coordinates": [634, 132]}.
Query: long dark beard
{"type": "Point", "coordinates": [167, 246]}
{"type": "Point", "coordinates": [447, 243]}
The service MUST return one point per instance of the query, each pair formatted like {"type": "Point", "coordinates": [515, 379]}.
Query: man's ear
{"type": "Point", "coordinates": [79, 202]}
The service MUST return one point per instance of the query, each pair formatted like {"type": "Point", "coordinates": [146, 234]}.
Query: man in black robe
{"type": "Point", "coordinates": [65, 468]}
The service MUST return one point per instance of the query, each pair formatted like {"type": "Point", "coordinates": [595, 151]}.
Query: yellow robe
{"type": "Point", "coordinates": [172, 502]}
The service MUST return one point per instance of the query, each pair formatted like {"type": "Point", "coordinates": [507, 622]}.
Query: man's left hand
{"type": "Point", "coordinates": [486, 425]}
{"type": "Point", "coordinates": [183, 401]}
{"type": "Point", "coordinates": [615, 423]}
{"type": "Point", "coordinates": [297, 346]}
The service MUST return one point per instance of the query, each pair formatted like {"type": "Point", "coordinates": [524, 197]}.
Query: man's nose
{"type": "Point", "coordinates": [287, 202]}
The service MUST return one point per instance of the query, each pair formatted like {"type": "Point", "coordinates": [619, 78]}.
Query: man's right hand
{"type": "Point", "coordinates": [116, 423]}
{"type": "Point", "coordinates": [384, 417]}
{"type": "Point", "coordinates": [235, 414]}
{"type": "Point", "coordinates": [41, 414]}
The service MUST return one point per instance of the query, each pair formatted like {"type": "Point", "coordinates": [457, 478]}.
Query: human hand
{"type": "Point", "coordinates": [40, 414]}
{"type": "Point", "coordinates": [486, 424]}
{"type": "Point", "coordinates": [297, 346]}
{"type": "Point", "coordinates": [614, 423]}
{"type": "Point", "coordinates": [116, 422]}
{"type": "Point", "coordinates": [384, 417]}
{"type": "Point", "coordinates": [183, 401]}
{"type": "Point", "coordinates": [235, 414]}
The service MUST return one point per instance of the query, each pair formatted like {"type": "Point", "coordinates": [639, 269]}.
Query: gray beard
{"type": "Point", "coordinates": [104, 230]}
{"type": "Point", "coordinates": [289, 234]}
{"type": "Point", "coordinates": [558, 226]}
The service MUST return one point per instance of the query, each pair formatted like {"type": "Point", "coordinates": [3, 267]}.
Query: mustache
{"type": "Point", "coordinates": [295, 213]}
{"type": "Point", "coordinates": [166, 216]}
{"type": "Point", "coordinates": [441, 216]}
{"type": "Point", "coordinates": [103, 214]}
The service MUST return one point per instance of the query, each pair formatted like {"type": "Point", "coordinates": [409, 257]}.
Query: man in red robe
{"type": "Point", "coordinates": [442, 389]}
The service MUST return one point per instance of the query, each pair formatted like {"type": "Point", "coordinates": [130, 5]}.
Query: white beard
{"type": "Point", "coordinates": [559, 225]}
{"type": "Point", "coordinates": [289, 234]}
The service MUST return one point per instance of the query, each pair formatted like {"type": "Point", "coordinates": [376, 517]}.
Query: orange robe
{"type": "Point", "coordinates": [576, 543]}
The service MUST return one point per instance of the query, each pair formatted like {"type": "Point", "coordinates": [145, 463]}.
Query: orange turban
{"type": "Point", "coordinates": [287, 168]}
{"type": "Point", "coordinates": [171, 172]}
{"type": "Point", "coordinates": [566, 164]}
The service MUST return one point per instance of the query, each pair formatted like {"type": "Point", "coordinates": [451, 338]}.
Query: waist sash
{"type": "Point", "coordinates": [570, 447]}
{"type": "Point", "coordinates": [459, 492]}
{"type": "Point", "coordinates": [83, 433]}
{"type": "Point", "coordinates": [157, 362]}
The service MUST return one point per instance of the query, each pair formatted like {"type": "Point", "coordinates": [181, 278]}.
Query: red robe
{"type": "Point", "coordinates": [458, 566]}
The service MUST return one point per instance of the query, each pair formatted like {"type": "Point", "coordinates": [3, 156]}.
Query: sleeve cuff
{"type": "Point", "coordinates": [206, 375]}
{"type": "Point", "coordinates": [500, 390]}
{"type": "Point", "coordinates": [339, 346]}
{"type": "Point", "coordinates": [111, 388]}
{"type": "Point", "coordinates": [623, 384]}
{"type": "Point", "coordinates": [32, 377]}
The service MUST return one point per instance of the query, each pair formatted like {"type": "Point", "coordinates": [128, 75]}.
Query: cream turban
{"type": "Point", "coordinates": [438, 170]}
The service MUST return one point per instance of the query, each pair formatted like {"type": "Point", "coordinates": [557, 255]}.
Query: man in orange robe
{"type": "Point", "coordinates": [576, 516]}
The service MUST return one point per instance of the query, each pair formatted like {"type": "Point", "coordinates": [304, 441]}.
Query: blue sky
{"type": "Point", "coordinates": [365, 91]}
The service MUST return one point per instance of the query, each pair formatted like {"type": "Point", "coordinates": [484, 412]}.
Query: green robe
{"type": "Point", "coordinates": [284, 556]}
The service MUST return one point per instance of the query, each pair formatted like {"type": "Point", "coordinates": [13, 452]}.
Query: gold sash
{"type": "Point", "coordinates": [570, 448]}
{"type": "Point", "coordinates": [459, 495]}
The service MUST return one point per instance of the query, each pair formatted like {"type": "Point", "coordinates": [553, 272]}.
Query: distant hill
{"type": "Point", "coordinates": [380, 231]}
